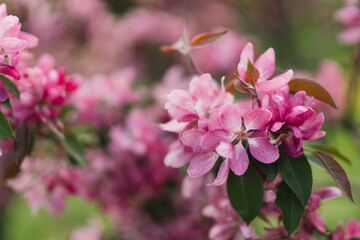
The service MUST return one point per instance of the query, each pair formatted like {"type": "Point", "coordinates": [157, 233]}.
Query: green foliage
{"type": "Point", "coordinates": [10, 86]}
{"type": "Point", "coordinates": [5, 129]}
{"type": "Point", "coordinates": [74, 149]}
{"type": "Point", "coordinates": [270, 170]}
{"type": "Point", "coordinates": [245, 193]}
{"type": "Point", "coordinates": [7, 104]}
{"type": "Point", "coordinates": [296, 172]}
{"type": "Point", "coordinates": [291, 207]}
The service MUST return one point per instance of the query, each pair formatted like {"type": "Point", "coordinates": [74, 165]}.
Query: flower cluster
{"type": "Point", "coordinates": [46, 184]}
{"type": "Point", "coordinates": [12, 40]}
{"type": "Point", "coordinates": [43, 90]}
{"type": "Point", "coordinates": [212, 126]}
{"type": "Point", "coordinates": [103, 139]}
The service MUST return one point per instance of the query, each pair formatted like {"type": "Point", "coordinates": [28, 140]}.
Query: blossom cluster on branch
{"type": "Point", "coordinates": [242, 146]}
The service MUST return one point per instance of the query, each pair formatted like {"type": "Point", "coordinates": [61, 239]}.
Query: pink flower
{"type": "Point", "coordinates": [43, 91]}
{"type": "Point", "coordinates": [100, 97]}
{"type": "Point", "coordinates": [266, 66]}
{"type": "Point", "coordinates": [352, 231]}
{"type": "Point", "coordinates": [350, 17]}
{"type": "Point", "coordinates": [196, 103]}
{"type": "Point", "coordinates": [292, 121]}
{"type": "Point", "coordinates": [331, 77]}
{"type": "Point", "coordinates": [45, 184]}
{"type": "Point", "coordinates": [226, 136]}
{"type": "Point", "coordinates": [12, 40]}
{"type": "Point", "coordinates": [228, 224]}
{"type": "Point", "coordinates": [312, 219]}
{"type": "Point", "coordinates": [93, 231]}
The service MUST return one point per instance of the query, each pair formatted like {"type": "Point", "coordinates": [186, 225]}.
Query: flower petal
{"type": "Point", "coordinates": [266, 64]}
{"type": "Point", "coordinates": [298, 115]}
{"type": "Point", "coordinates": [177, 156]}
{"type": "Point", "coordinates": [202, 163]}
{"type": "Point", "coordinates": [240, 162]}
{"type": "Point", "coordinates": [271, 85]}
{"type": "Point", "coordinates": [263, 150]}
{"type": "Point", "coordinates": [328, 193]}
{"type": "Point", "coordinates": [230, 118]}
{"type": "Point", "coordinates": [193, 138]}
{"type": "Point", "coordinates": [222, 174]}
{"type": "Point", "coordinates": [246, 55]}
{"type": "Point", "coordinates": [213, 138]}
{"type": "Point", "coordinates": [257, 119]}
{"type": "Point", "coordinates": [225, 149]}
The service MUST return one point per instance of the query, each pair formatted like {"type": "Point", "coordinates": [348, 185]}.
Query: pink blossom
{"type": "Point", "coordinates": [330, 76]}
{"type": "Point", "coordinates": [43, 91]}
{"type": "Point", "coordinates": [350, 17]}
{"type": "Point", "coordinates": [351, 231]}
{"type": "Point", "coordinates": [12, 40]}
{"type": "Point", "coordinates": [292, 121]}
{"type": "Point", "coordinates": [45, 184]}
{"type": "Point", "coordinates": [228, 224]}
{"type": "Point", "coordinates": [101, 99]}
{"type": "Point", "coordinates": [227, 141]}
{"type": "Point", "coordinates": [266, 66]}
{"type": "Point", "coordinates": [93, 231]}
{"type": "Point", "coordinates": [196, 103]}
{"type": "Point", "coordinates": [312, 218]}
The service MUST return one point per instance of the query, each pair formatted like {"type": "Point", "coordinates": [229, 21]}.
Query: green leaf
{"type": "Point", "coordinates": [270, 170]}
{"type": "Point", "coordinates": [74, 149]}
{"type": "Point", "coordinates": [331, 150]}
{"type": "Point", "coordinates": [312, 88]}
{"type": "Point", "coordinates": [291, 207]}
{"type": "Point", "coordinates": [337, 172]}
{"type": "Point", "coordinates": [297, 174]}
{"type": "Point", "coordinates": [5, 129]}
{"type": "Point", "coordinates": [245, 193]}
{"type": "Point", "coordinates": [7, 103]}
{"type": "Point", "coordinates": [10, 86]}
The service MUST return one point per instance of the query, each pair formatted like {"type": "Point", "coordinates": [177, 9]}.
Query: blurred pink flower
{"type": "Point", "coordinates": [45, 184]}
{"type": "Point", "coordinates": [352, 231]}
{"type": "Point", "coordinates": [330, 76]}
{"type": "Point", "coordinates": [350, 17]}
{"type": "Point", "coordinates": [93, 231]}
{"type": "Point", "coordinates": [101, 99]}
{"type": "Point", "coordinates": [43, 91]}
{"type": "Point", "coordinates": [12, 40]}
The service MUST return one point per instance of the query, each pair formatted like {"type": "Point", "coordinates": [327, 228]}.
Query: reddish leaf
{"type": "Point", "coordinates": [312, 88]}
{"type": "Point", "coordinates": [332, 151]}
{"type": "Point", "coordinates": [168, 49]}
{"type": "Point", "coordinates": [336, 171]}
{"type": "Point", "coordinates": [205, 39]}
{"type": "Point", "coordinates": [230, 85]}
{"type": "Point", "coordinates": [252, 74]}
